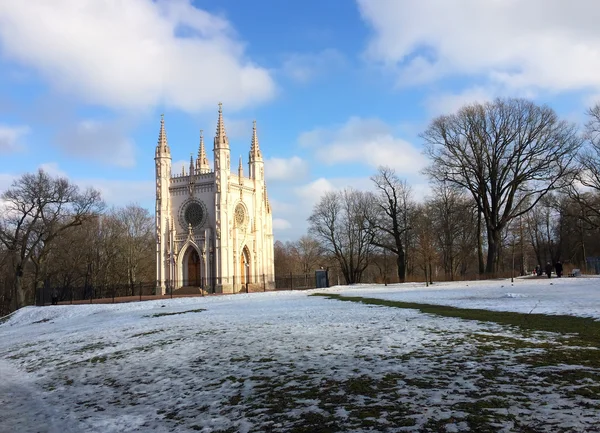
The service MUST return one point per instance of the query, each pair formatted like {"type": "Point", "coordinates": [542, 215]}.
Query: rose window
{"type": "Point", "coordinates": [240, 214]}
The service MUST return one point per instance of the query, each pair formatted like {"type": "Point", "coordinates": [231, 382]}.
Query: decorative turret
{"type": "Point", "coordinates": [162, 161]}
{"type": "Point", "coordinates": [223, 246]}
{"type": "Point", "coordinates": [240, 168]}
{"type": "Point", "coordinates": [162, 147]}
{"type": "Point", "coordinates": [191, 165]}
{"type": "Point", "coordinates": [202, 165]}
{"type": "Point", "coordinates": [255, 153]}
{"type": "Point", "coordinates": [255, 161]}
{"type": "Point", "coordinates": [221, 139]}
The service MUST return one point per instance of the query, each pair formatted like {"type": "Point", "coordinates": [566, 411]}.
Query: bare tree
{"type": "Point", "coordinates": [36, 209]}
{"type": "Point", "coordinates": [138, 242]}
{"type": "Point", "coordinates": [425, 250]}
{"type": "Point", "coordinates": [508, 154]}
{"type": "Point", "coordinates": [340, 222]}
{"type": "Point", "coordinates": [390, 222]}
{"type": "Point", "coordinates": [308, 253]}
{"type": "Point", "coordinates": [542, 224]}
{"type": "Point", "coordinates": [587, 193]}
{"type": "Point", "coordinates": [454, 224]}
{"type": "Point", "coordinates": [283, 261]}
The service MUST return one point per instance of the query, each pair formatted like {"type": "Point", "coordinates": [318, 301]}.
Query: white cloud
{"type": "Point", "coordinates": [10, 138]}
{"type": "Point", "coordinates": [6, 180]}
{"type": "Point", "coordinates": [114, 192]}
{"type": "Point", "coordinates": [306, 67]}
{"type": "Point", "coordinates": [368, 141]}
{"type": "Point", "coordinates": [302, 200]}
{"type": "Point", "coordinates": [310, 193]}
{"type": "Point", "coordinates": [536, 44]}
{"type": "Point", "coordinates": [285, 168]}
{"type": "Point", "coordinates": [53, 169]}
{"type": "Point", "coordinates": [238, 128]}
{"type": "Point", "coordinates": [446, 103]}
{"type": "Point", "coordinates": [134, 54]}
{"type": "Point", "coordinates": [177, 166]}
{"type": "Point", "coordinates": [122, 192]}
{"type": "Point", "coordinates": [101, 141]}
{"type": "Point", "coordinates": [281, 224]}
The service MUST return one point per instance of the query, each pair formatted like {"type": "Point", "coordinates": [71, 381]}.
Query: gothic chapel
{"type": "Point", "coordinates": [214, 228]}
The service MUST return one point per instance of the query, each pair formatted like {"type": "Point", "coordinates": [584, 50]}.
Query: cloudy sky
{"type": "Point", "coordinates": [337, 87]}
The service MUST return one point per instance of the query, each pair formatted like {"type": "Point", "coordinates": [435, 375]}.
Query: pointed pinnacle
{"type": "Point", "coordinates": [254, 148]}
{"type": "Point", "coordinates": [220, 125]}
{"type": "Point", "coordinates": [201, 146]}
{"type": "Point", "coordinates": [162, 145]}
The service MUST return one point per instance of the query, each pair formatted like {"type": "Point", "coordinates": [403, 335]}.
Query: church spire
{"type": "Point", "coordinates": [241, 168]}
{"type": "Point", "coordinates": [221, 136]}
{"type": "Point", "coordinates": [254, 148]}
{"type": "Point", "coordinates": [202, 161]}
{"type": "Point", "coordinates": [255, 161]}
{"type": "Point", "coordinates": [162, 145]}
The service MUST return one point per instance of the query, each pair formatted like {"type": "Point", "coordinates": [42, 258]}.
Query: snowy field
{"type": "Point", "coordinates": [290, 362]}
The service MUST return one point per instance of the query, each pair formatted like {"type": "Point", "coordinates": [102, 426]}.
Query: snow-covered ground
{"type": "Point", "coordinates": [286, 361]}
{"type": "Point", "coordinates": [570, 296]}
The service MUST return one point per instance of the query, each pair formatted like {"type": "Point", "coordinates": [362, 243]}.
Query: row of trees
{"type": "Point", "coordinates": [513, 186]}
{"type": "Point", "coordinates": [52, 234]}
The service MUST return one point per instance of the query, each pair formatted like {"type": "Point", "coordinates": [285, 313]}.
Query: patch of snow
{"type": "Point", "coordinates": [111, 368]}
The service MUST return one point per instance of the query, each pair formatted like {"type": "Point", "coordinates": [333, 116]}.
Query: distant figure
{"type": "Point", "coordinates": [538, 270]}
{"type": "Point", "coordinates": [54, 297]}
{"type": "Point", "coordinates": [548, 269]}
{"type": "Point", "coordinates": [559, 270]}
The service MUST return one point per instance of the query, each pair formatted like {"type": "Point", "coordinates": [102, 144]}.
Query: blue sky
{"type": "Point", "coordinates": [337, 87]}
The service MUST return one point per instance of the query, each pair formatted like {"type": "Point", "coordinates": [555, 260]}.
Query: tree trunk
{"type": "Point", "coordinates": [19, 295]}
{"type": "Point", "coordinates": [479, 244]}
{"type": "Point", "coordinates": [493, 244]}
{"type": "Point", "coordinates": [401, 265]}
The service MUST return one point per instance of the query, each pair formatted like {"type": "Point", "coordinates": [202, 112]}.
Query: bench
{"type": "Point", "coordinates": [575, 273]}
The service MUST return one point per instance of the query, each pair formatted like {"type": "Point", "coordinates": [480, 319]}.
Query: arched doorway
{"type": "Point", "coordinates": [245, 266]}
{"type": "Point", "coordinates": [193, 268]}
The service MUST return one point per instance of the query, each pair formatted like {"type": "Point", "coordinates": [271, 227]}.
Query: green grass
{"type": "Point", "coordinates": [586, 329]}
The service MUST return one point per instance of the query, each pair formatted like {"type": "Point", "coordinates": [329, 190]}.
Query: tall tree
{"type": "Point", "coordinates": [137, 241]}
{"type": "Point", "coordinates": [454, 224]}
{"type": "Point", "coordinates": [587, 193]}
{"type": "Point", "coordinates": [508, 154]}
{"type": "Point", "coordinates": [308, 253]}
{"type": "Point", "coordinates": [340, 222]}
{"type": "Point", "coordinates": [425, 250]}
{"type": "Point", "coordinates": [390, 222]}
{"type": "Point", "coordinates": [36, 209]}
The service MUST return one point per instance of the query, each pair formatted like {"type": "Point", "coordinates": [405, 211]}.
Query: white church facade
{"type": "Point", "coordinates": [214, 228]}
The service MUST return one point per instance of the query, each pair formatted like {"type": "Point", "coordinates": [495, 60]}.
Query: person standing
{"type": "Point", "coordinates": [548, 269]}
{"type": "Point", "coordinates": [559, 269]}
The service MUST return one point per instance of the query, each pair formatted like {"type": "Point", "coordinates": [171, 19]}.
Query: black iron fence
{"type": "Point", "coordinates": [52, 294]}
{"type": "Point", "coordinates": [302, 281]}
{"type": "Point", "coordinates": [131, 291]}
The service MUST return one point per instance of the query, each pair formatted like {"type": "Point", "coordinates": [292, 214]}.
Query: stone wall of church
{"type": "Point", "coordinates": [218, 220]}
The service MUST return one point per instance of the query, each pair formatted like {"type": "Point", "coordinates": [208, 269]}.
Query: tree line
{"type": "Point", "coordinates": [54, 234]}
{"type": "Point", "coordinates": [512, 186]}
